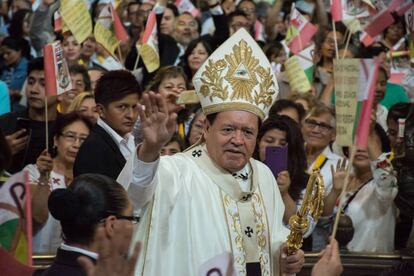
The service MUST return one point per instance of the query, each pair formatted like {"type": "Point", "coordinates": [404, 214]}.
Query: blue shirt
{"type": "Point", "coordinates": [15, 76]}
{"type": "Point", "coordinates": [4, 98]}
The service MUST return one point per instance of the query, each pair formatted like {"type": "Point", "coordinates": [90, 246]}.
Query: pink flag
{"type": "Point", "coordinates": [336, 10]}
{"type": "Point", "coordinates": [120, 32]}
{"type": "Point", "coordinates": [401, 6]}
{"type": "Point", "coordinates": [379, 23]}
{"type": "Point", "coordinates": [57, 77]}
{"type": "Point", "coordinates": [187, 6]}
{"type": "Point", "coordinates": [300, 31]}
{"type": "Point", "coordinates": [368, 79]}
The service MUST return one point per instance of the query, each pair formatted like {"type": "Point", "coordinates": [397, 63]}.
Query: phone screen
{"type": "Point", "coordinates": [22, 123]}
{"type": "Point", "coordinates": [276, 159]}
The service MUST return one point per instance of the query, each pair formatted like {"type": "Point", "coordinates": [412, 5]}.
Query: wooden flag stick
{"type": "Point", "coordinates": [137, 59]}
{"type": "Point", "coordinates": [335, 39]}
{"type": "Point", "coordinates": [120, 54]}
{"type": "Point", "coordinates": [346, 182]}
{"type": "Point", "coordinates": [347, 44]}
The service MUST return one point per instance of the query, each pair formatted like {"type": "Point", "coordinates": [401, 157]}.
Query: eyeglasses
{"type": "Point", "coordinates": [248, 11]}
{"type": "Point", "coordinates": [72, 138]}
{"type": "Point", "coordinates": [132, 219]}
{"type": "Point", "coordinates": [322, 126]}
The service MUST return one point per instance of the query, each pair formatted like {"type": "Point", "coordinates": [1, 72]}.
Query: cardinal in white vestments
{"type": "Point", "coordinates": [213, 198]}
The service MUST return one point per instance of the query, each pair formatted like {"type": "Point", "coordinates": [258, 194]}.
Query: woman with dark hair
{"type": "Point", "coordinates": [196, 128]}
{"type": "Point", "coordinates": [52, 172]}
{"type": "Point", "coordinates": [325, 49]}
{"type": "Point", "coordinates": [196, 53]}
{"type": "Point", "coordinates": [169, 82]}
{"type": "Point", "coordinates": [15, 63]}
{"type": "Point", "coordinates": [282, 131]}
{"type": "Point", "coordinates": [92, 209]}
{"type": "Point", "coordinates": [20, 28]}
{"type": "Point", "coordinates": [393, 34]}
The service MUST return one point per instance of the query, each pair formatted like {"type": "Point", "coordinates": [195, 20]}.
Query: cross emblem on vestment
{"type": "Point", "coordinates": [197, 153]}
{"type": "Point", "coordinates": [248, 231]}
{"type": "Point", "coordinates": [55, 180]}
{"type": "Point", "coordinates": [246, 197]}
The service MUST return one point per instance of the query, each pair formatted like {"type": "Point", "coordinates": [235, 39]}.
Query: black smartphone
{"type": "Point", "coordinates": [23, 123]}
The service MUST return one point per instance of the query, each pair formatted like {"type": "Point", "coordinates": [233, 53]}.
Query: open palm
{"type": "Point", "coordinates": [157, 124]}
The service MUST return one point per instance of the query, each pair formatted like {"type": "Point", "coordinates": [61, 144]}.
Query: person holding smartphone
{"type": "Point", "coordinates": [26, 131]}
{"type": "Point", "coordinates": [276, 135]}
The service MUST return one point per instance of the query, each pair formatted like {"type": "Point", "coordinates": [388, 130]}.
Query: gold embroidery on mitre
{"type": "Point", "coordinates": [213, 80]}
{"type": "Point", "coordinates": [266, 91]}
{"type": "Point", "coordinates": [241, 74]}
{"type": "Point", "coordinates": [244, 74]}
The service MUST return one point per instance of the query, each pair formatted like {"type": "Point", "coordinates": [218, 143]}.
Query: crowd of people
{"type": "Point", "coordinates": [93, 153]}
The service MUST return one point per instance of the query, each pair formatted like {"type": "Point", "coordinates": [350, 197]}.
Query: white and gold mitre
{"type": "Point", "coordinates": [237, 76]}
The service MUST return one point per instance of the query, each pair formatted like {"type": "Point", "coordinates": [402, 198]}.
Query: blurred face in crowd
{"type": "Point", "coordinates": [197, 128]}
{"type": "Point", "coordinates": [280, 26]}
{"type": "Point", "coordinates": [71, 49]}
{"type": "Point", "coordinates": [94, 76]}
{"type": "Point", "coordinates": [20, 5]}
{"type": "Point", "coordinates": [231, 139]}
{"type": "Point", "coordinates": [272, 138]}
{"type": "Point", "coordinates": [280, 58]}
{"type": "Point", "coordinates": [121, 115]}
{"type": "Point", "coordinates": [27, 22]}
{"type": "Point", "coordinates": [394, 33]}
{"type": "Point", "coordinates": [35, 91]}
{"type": "Point", "coordinates": [328, 45]}
{"type": "Point", "coordinates": [167, 22]}
{"type": "Point", "coordinates": [144, 10]}
{"type": "Point", "coordinates": [89, 110]}
{"type": "Point", "coordinates": [69, 141]}
{"type": "Point", "coordinates": [89, 47]}
{"type": "Point", "coordinates": [133, 14]}
{"type": "Point", "coordinates": [78, 86]}
{"type": "Point", "coordinates": [392, 133]}
{"type": "Point", "coordinates": [380, 86]}
{"type": "Point", "coordinates": [10, 56]}
{"type": "Point", "coordinates": [238, 22]}
{"type": "Point", "coordinates": [170, 88]}
{"type": "Point", "coordinates": [197, 57]}
{"type": "Point", "coordinates": [361, 160]}
{"type": "Point", "coordinates": [250, 10]}
{"type": "Point", "coordinates": [319, 131]}
{"type": "Point", "coordinates": [185, 29]}
{"type": "Point", "coordinates": [171, 148]}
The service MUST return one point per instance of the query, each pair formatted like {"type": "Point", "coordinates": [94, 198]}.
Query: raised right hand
{"type": "Point", "coordinates": [17, 141]}
{"type": "Point", "coordinates": [338, 176]}
{"type": "Point", "coordinates": [157, 126]}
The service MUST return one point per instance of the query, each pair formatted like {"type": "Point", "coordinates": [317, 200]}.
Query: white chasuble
{"type": "Point", "coordinates": [198, 211]}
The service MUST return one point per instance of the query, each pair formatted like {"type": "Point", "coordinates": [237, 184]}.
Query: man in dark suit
{"type": "Point", "coordinates": [110, 142]}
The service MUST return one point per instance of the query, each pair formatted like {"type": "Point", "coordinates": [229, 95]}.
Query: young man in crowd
{"type": "Point", "coordinates": [110, 143]}
{"type": "Point", "coordinates": [26, 131]}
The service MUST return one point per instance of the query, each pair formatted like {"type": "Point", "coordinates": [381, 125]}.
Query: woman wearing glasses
{"type": "Point", "coordinates": [94, 210]}
{"type": "Point", "coordinates": [319, 133]}
{"type": "Point", "coordinates": [53, 171]}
